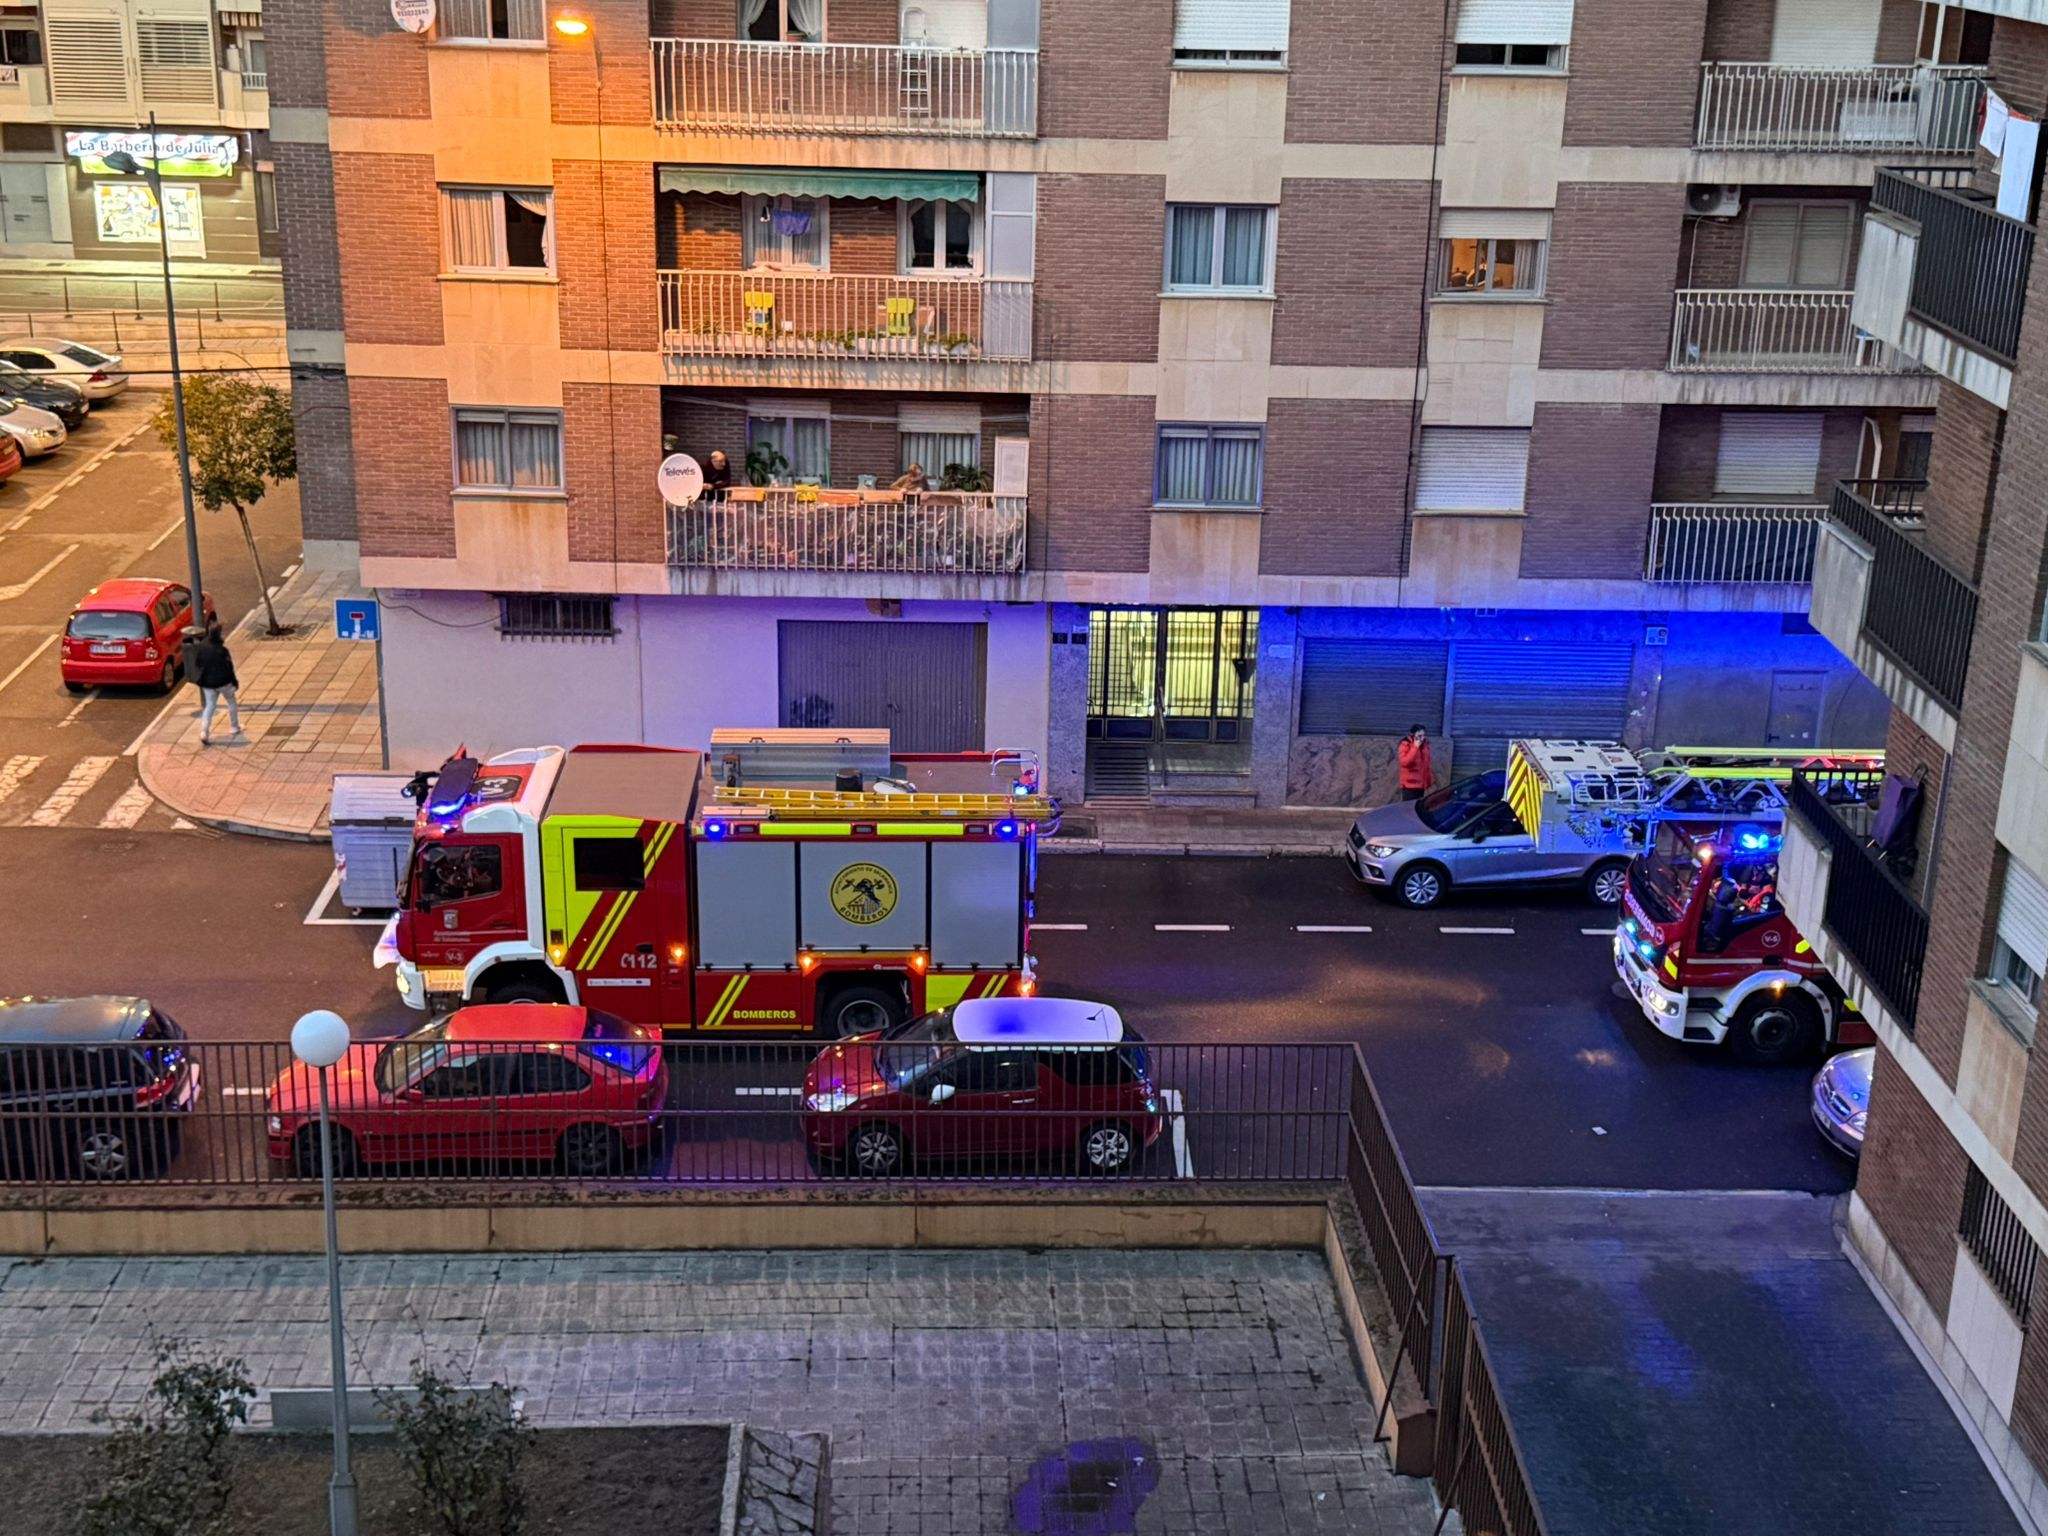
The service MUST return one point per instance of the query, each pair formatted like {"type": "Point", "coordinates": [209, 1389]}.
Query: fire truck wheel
{"type": "Point", "coordinates": [1422, 885]}
{"type": "Point", "coordinates": [1773, 1028]}
{"type": "Point", "coordinates": [875, 1150]}
{"type": "Point", "coordinates": [306, 1153]}
{"type": "Point", "coordinates": [1607, 883]}
{"type": "Point", "coordinates": [589, 1150]}
{"type": "Point", "coordinates": [860, 1011]}
{"type": "Point", "coordinates": [521, 991]}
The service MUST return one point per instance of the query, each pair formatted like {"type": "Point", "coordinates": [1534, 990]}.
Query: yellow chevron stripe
{"type": "Point", "coordinates": [995, 984]}
{"type": "Point", "coordinates": [609, 929]}
{"type": "Point", "coordinates": [725, 1003]}
{"type": "Point", "coordinates": [601, 933]}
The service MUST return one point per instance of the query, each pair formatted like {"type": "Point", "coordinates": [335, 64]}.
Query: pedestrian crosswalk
{"type": "Point", "coordinates": [99, 792]}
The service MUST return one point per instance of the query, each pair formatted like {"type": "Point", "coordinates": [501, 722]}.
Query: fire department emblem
{"type": "Point", "coordinates": [864, 893]}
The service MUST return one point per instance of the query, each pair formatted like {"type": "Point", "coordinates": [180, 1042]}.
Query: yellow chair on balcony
{"type": "Point", "coordinates": [898, 315]}
{"type": "Point", "coordinates": [760, 314]}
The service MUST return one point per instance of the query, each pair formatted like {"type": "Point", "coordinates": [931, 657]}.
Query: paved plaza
{"type": "Point", "coordinates": [964, 1392]}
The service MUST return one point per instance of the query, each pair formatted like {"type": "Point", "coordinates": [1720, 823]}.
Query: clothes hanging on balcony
{"type": "Point", "coordinates": [790, 222]}
{"type": "Point", "coordinates": [2016, 168]}
{"type": "Point", "coordinates": [1996, 115]}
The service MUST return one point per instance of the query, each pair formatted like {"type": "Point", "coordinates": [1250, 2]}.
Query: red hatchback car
{"type": "Point", "coordinates": [530, 1082]}
{"type": "Point", "coordinates": [1021, 1079]}
{"type": "Point", "coordinates": [129, 631]}
{"type": "Point", "coordinates": [10, 457]}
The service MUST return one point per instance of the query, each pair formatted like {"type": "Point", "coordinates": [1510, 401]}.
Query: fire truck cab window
{"type": "Point", "coordinates": [460, 874]}
{"type": "Point", "coordinates": [609, 864]}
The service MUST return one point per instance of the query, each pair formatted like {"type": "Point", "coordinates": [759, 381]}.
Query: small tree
{"type": "Point", "coordinates": [464, 1451]}
{"type": "Point", "coordinates": [240, 436]}
{"type": "Point", "coordinates": [162, 1472]}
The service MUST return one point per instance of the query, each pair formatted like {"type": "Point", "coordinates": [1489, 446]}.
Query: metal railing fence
{"type": "Point", "coordinates": [1703, 541]}
{"type": "Point", "coordinates": [1869, 910]}
{"type": "Point", "coordinates": [1933, 108]}
{"type": "Point", "coordinates": [1970, 265]}
{"type": "Point", "coordinates": [1404, 1247]}
{"type": "Point", "coordinates": [943, 533]}
{"type": "Point", "coordinates": [1479, 1469]}
{"type": "Point", "coordinates": [726, 85]}
{"type": "Point", "coordinates": [1775, 330]}
{"type": "Point", "coordinates": [1922, 613]}
{"type": "Point", "coordinates": [855, 316]}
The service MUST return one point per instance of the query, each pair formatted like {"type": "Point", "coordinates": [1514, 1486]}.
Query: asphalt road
{"type": "Point", "coordinates": [106, 504]}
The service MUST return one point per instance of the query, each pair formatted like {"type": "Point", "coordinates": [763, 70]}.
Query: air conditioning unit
{"type": "Point", "coordinates": [1708, 201]}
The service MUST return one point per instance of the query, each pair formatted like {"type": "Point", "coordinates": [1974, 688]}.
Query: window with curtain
{"type": "Point", "coordinates": [1491, 266]}
{"type": "Point", "coordinates": [1797, 245]}
{"type": "Point", "coordinates": [785, 233]}
{"type": "Point", "coordinates": [934, 451]}
{"type": "Point", "coordinates": [496, 229]}
{"type": "Point", "coordinates": [499, 21]}
{"type": "Point", "coordinates": [804, 443]}
{"type": "Point", "coordinates": [1218, 249]}
{"type": "Point", "coordinates": [938, 236]}
{"type": "Point", "coordinates": [506, 450]}
{"type": "Point", "coordinates": [1209, 466]}
{"type": "Point", "coordinates": [782, 21]}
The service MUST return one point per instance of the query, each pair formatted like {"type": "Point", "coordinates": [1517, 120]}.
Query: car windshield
{"type": "Point", "coordinates": [611, 1040]}
{"type": "Point", "coordinates": [404, 1060]}
{"type": "Point", "coordinates": [1669, 872]}
{"type": "Point", "coordinates": [107, 624]}
{"type": "Point", "coordinates": [1444, 810]}
{"type": "Point", "coordinates": [85, 355]}
{"type": "Point", "coordinates": [913, 1049]}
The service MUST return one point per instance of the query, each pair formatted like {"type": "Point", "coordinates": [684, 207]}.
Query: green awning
{"type": "Point", "coordinates": [964, 187]}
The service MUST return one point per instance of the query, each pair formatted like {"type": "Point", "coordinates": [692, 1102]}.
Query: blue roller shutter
{"type": "Point", "coordinates": [1372, 687]}
{"type": "Point", "coordinates": [1503, 690]}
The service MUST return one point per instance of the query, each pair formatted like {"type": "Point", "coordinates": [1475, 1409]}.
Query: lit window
{"type": "Point", "coordinates": [1492, 266]}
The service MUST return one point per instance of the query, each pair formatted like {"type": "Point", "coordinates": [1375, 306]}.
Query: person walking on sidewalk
{"type": "Point", "coordinates": [1415, 766]}
{"type": "Point", "coordinates": [213, 669]}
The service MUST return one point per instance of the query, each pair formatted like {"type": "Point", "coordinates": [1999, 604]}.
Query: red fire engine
{"type": "Point", "coordinates": [786, 880]}
{"type": "Point", "coordinates": [1710, 956]}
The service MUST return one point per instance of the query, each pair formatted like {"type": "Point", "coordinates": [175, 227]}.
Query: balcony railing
{"type": "Point", "coordinates": [1718, 541]}
{"type": "Point", "coordinates": [1881, 928]}
{"type": "Point", "coordinates": [1774, 330]}
{"type": "Point", "coordinates": [824, 315]}
{"type": "Point", "coordinates": [255, 80]}
{"type": "Point", "coordinates": [1876, 107]}
{"type": "Point", "coordinates": [939, 533]}
{"type": "Point", "coordinates": [707, 85]}
{"type": "Point", "coordinates": [1970, 270]}
{"type": "Point", "coordinates": [1922, 613]}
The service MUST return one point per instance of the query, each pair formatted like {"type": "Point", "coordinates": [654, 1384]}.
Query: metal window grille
{"type": "Point", "coordinates": [1999, 1244]}
{"type": "Point", "coordinates": [530, 615]}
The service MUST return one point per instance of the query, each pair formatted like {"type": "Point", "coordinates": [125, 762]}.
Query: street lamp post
{"type": "Point", "coordinates": [120, 160]}
{"type": "Point", "coordinates": [320, 1039]}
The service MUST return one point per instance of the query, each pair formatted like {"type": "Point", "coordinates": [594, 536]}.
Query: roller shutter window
{"type": "Point", "coordinates": [175, 61]}
{"type": "Point", "coordinates": [2021, 956]}
{"type": "Point", "coordinates": [1797, 245]}
{"type": "Point", "coordinates": [1219, 33]}
{"type": "Point", "coordinates": [88, 57]}
{"type": "Point", "coordinates": [1372, 687]}
{"type": "Point", "coordinates": [924, 683]}
{"type": "Point", "coordinates": [1472, 469]}
{"type": "Point", "coordinates": [1826, 34]}
{"type": "Point", "coordinates": [1501, 690]}
{"type": "Point", "coordinates": [1768, 453]}
{"type": "Point", "coordinates": [1515, 21]}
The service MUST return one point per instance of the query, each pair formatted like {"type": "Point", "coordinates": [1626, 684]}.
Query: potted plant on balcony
{"type": "Point", "coordinates": [964, 477]}
{"type": "Point", "coordinates": [765, 464]}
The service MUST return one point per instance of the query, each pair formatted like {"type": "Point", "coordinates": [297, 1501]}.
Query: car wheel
{"type": "Point", "coordinates": [169, 679]}
{"type": "Point", "coordinates": [1774, 1028]}
{"type": "Point", "coordinates": [1422, 885]}
{"type": "Point", "coordinates": [1607, 882]}
{"type": "Point", "coordinates": [74, 687]}
{"type": "Point", "coordinates": [348, 1157]}
{"type": "Point", "coordinates": [875, 1151]}
{"type": "Point", "coordinates": [103, 1151]}
{"type": "Point", "coordinates": [1107, 1148]}
{"type": "Point", "coordinates": [587, 1151]}
{"type": "Point", "coordinates": [861, 1011]}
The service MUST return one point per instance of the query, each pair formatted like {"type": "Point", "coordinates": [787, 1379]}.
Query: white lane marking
{"type": "Point", "coordinates": [77, 708]}
{"type": "Point", "coordinates": [165, 534]}
{"type": "Point", "coordinates": [19, 587]}
{"type": "Point", "coordinates": [1599, 933]}
{"type": "Point", "coordinates": [1183, 1163]}
{"type": "Point", "coordinates": [64, 799]}
{"type": "Point", "coordinates": [313, 919]}
{"type": "Point", "coordinates": [1331, 928]}
{"type": "Point", "coordinates": [1059, 927]}
{"type": "Point", "coordinates": [767, 1093]}
{"type": "Point", "coordinates": [182, 825]}
{"type": "Point", "coordinates": [27, 661]}
{"type": "Point", "coordinates": [134, 803]}
{"type": "Point", "coordinates": [288, 573]}
{"type": "Point", "coordinates": [1441, 929]}
{"type": "Point", "coordinates": [245, 1093]}
{"type": "Point", "coordinates": [19, 520]}
{"type": "Point", "coordinates": [14, 771]}
{"type": "Point", "coordinates": [1191, 927]}
{"type": "Point", "coordinates": [171, 703]}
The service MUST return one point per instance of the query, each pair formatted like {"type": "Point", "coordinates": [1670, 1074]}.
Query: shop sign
{"type": "Point", "coordinates": [174, 154]}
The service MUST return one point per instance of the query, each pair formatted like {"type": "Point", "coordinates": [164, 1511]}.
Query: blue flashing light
{"type": "Point", "coordinates": [442, 810]}
{"type": "Point", "coordinates": [1007, 830]}
{"type": "Point", "coordinates": [1646, 950]}
{"type": "Point", "coordinates": [1756, 840]}
{"type": "Point", "coordinates": [714, 829]}
{"type": "Point", "coordinates": [1629, 926]}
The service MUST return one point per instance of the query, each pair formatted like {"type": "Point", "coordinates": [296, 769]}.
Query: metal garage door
{"type": "Point", "coordinates": [923, 683]}
{"type": "Point", "coordinates": [1503, 691]}
{"type": "Point", "coordinates": [1372, 687]}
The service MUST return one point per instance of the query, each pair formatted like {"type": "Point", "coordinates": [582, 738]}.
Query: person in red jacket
{"type": "Point", "coordinates": [1415, 765]}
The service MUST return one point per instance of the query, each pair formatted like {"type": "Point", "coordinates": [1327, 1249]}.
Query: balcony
{"type": "Point", "coordinates": [1775, 330]}
{"type": "Point", "coordinates": [851, 318]}
{"type": "Point", "coordinates": [1712, 542]}
{"type": "Point", "coordinates": [704, 85]}
{"type": "Point", "coordinates": [797, 528]}
{"type": "Point", "coordinates": [1879, 108]}
{"type": "Point", "coordinates": [1917, 611]}
{"type": "Point", "coordinates": [1870, 924]}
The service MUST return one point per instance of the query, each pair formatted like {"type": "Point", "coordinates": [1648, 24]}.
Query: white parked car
{"type": "Point", "coordinates": [35, 430]}
{"type": "Point", "coordinates": [97, 373]}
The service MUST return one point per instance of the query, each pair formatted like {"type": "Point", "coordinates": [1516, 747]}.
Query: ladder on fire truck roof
{"type": "Point", "coordinates": [1775, 763]}
{"type": "Point", "coordinates": [881, 805]}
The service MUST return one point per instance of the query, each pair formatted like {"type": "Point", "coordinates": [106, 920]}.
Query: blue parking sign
{"type": "Point", "coordinates": [355, 618]}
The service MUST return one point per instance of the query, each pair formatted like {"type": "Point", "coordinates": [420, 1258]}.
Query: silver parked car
{"type": "Point", "coordinates": [34, 430]}
{"type": "Point", "coordinates": [1841, 1098]}
{"type": "Point", "coordinates": [98, 373]}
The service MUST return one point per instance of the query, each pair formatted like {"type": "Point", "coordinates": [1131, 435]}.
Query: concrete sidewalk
{"type": "Point", "coordinates": [309, 711]}
{"type": "Point", "coordinates": [1141, 829]}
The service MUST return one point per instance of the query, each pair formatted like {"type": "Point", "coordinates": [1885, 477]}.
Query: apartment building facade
{"type": "Point", "coordinates": [80, 79]}
{"type": "Point", "coordinates": [1281, 376]}
{"type": "Point", "coordinates": [1936, 917]}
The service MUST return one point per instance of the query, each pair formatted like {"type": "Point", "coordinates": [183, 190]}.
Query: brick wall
{"type": "Point", "coordinates": [864, 237]}
{"type": "Point", "coordinates": [1103, 70]}
{"type": "Point", "coordinates": [388, 210]}
{"type": "Point", "coordinates": [1911, 1177]}
{"type": "Point", "coordinates": [375, 68]}
{"type": "Point", "coordinates": [698, 231]}
{"type": "Point", "coordinates": [611, 446]}
{"type": "Point", "coordinates": [312, 258]}
{"type": "Point", "coordinates": [2019, 73]}
{"type": "Point", "coordinates": [863, 21]}
{"type": "Point", "coordinates": [604, 255]}
{"type": "Point", "coordinates": [2030, 1398]}
{"type": "Point", "coordinates": [1320, 523]}
{"type": "Point", "coordinates": [1738, 31]}
{"type": "Point", "coordinates": [1689, 447]}
{"type": "Point", "coordinates": [403, 469]}
{"type": "Point", "coordinates": [1710, 250]}
{"type": "Point", "coordinates": [1612, 252]}
{"type": "Point", "coordinates": [1091, 482]}
{"type": "Point", "coordinates": [1969, 435]}
{"type": "Point", "coordinates": [696, 18]}
{"type": "Point", "coordinates": [617, 47]}
{"type": "Point", "coordinates": [1591, 469]}
{"type": "Point", "coordinates": [1633, 83]}
{"type": "Point", "coordinates": [1101, 260]}
{"type": "Point", "coordinates": [1352, 81]}
{"type": "Point", "coordinates": [1352, 261]}
{"type": "Point", "coordinates": [327, 470]}
{"type": "Point", "coordinates": [298, 74]}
